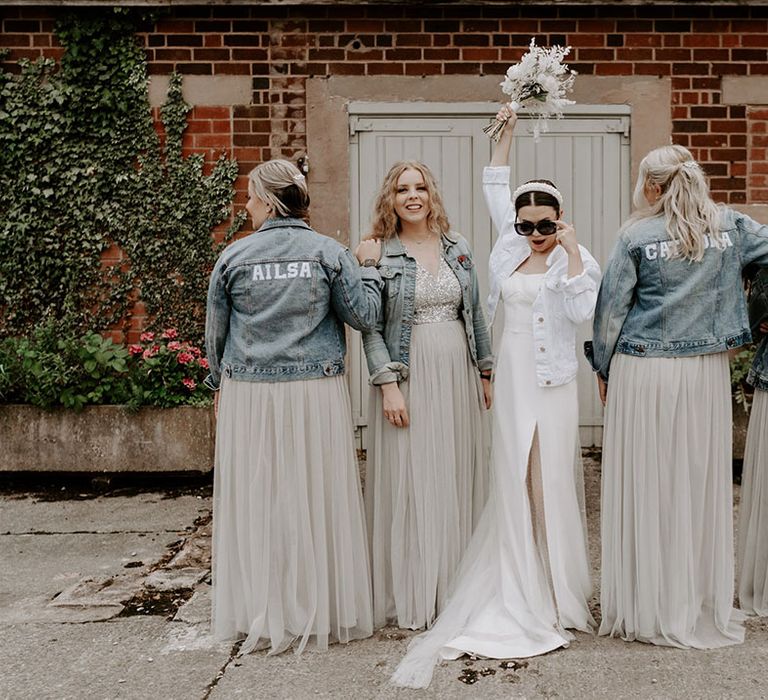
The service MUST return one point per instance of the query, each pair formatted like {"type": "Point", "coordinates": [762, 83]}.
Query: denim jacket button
{"type": "Point", "coordinates": [542, 349]}
{"type": "Point", "coordinates": [540, 319]}
{"type": "Point", "coordinates": [548, 382]}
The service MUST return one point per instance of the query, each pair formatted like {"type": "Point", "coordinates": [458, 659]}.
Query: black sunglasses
{"type": "Point", "coordinates": [545, 227]}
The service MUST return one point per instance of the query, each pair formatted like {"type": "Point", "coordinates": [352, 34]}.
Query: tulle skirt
{"type": "Point", "coordinates": [667, 528]}
{"type": "Point", "coordinates": [290, 560]}
{"type": "Point", "coordinates": [426, 484]}
{"type": "Point", "coordinates": [753, 512]}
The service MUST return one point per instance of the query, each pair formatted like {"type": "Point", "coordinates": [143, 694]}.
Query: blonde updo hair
{"type": "Point", "coordinates": [386, 222]}
{"type": "Point", "coordinates": [688, 210]}
{"type": "Point", "coordinates": [281, 184]}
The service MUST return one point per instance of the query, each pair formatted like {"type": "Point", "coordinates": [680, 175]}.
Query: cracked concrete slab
{"type": "Point", "coordinates": [142, 512]}
{"type": "Point", "coordinates": [128, 658]}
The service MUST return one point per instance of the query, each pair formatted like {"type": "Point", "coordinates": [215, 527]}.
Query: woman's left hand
{"type": "Point", "coordinates": [487, 392]}
{"type": "Point", "coordinates": [566, 237]}
{"type": "Point", "coordinates": [764, 327]}
{"type": "Point", "coordinates": [368, 249]}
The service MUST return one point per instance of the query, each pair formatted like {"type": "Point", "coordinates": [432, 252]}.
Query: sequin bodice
{"type": "Point", "coordinates": [437, 298]}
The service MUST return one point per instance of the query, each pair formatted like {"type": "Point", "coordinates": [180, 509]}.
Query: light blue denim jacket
{"type": "Point", "coordinates": [651, 304]}
{"type": "Point", "coordinates": [387, 346]}
{"type": "Point", "coordinates": [758, 313]}
{"type": "Point", "coordinates": [277, 303]}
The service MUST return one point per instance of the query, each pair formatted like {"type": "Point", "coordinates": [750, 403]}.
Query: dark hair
{"type": "Point", "coordinates": [295, 200]}
{"type": "Point", "coordinates": [537, 199]}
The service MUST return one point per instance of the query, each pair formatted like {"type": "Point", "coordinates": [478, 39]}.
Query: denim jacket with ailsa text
{"type": "Point", "coordinates": [387, 346]}
{"type": "Point", "coordinates": [277, 303]}
{"type": "Point", "coordinates": [654, 304]}
{"type": "Point", "coordinates": [758, 313]}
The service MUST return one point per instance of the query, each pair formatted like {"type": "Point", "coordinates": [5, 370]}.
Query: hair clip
{"type": "Point", "coordinates": [299, 178]}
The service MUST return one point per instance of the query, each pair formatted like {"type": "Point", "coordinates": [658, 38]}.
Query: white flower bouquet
{"type": "Point", "coordinates": [539, 82]}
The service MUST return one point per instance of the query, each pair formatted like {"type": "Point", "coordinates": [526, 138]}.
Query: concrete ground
{"type": "Point", "coordinates": [107, 596]}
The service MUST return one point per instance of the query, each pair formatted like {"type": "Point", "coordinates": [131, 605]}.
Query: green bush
{"type": "Point", "coordinates": [49, 371]}
{"type": "Point", "coordinates": [740, 364]}
{"type": "Point", "coordinates": [83, 172]}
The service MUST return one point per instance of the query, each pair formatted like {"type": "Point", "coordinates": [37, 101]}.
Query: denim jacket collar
{"type": "Point", "coordinates": [283, 222]}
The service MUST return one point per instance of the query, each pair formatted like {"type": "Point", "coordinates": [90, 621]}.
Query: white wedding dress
{"type": "Point", "coordinates": [525, 576]}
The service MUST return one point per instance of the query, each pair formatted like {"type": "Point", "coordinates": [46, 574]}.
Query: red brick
{"type": "Point", "coordinates": [588, 40]}
{"type": "Point", "coordinates": [699, 40]}
{"type": "Point", "coordinates": [595, 54]}
{"type": "Point", "coordinates": [402, 54]}
{"type": "Point", "coordinates": [385, 69]}
{"type": "Point", "coordinates": [757, 113]}
{"type": "Point", "coordinates": [212, 54]}
{"type": "Point", "coordinates": [479, 25]}
{"type": "Point", "coordinates": [469, 54]}
{"type": "Point", "coordinates": [423, 68]}
{"type": "Point", "coordinates": [174, 26]}
{"type": "Point", "coordinates": [727, 126]}
{"type": "Point", "coordinates": [614, 69]}
{"type": "Point", "coordinates": [365, 25]}
{"type": "Point", "coordinates": [221, 127]}
{"type": "Point", "coordinates": [602, 26]}
{"type": "Point", "coordinates": [519, 26]}
{"type": "Point", "coordinates": [15, 40]}
{"type": "Point", "coordinates": [414, 40]}
{"type": "Point", "coordinates": [199, 126]}
{"type": "Point", "coordinates": [442, 54]}
{"type": "Point", "coordinates": [754, 40]}
{"type": "Point", "coordinates": [642, 40]}
{"type": "Point", "coordinates": [346, 68]}
{"type": "Point", "coordinates": [212, 40]}
{"type": "Point", "coordinates": [634, 54]}
{"type": "Point", "coordinates": [211, 112]}
{"type": "Point", "coordinates": [672, 40]}
{"type": "Point", "coordinates": [729, 154]}
{"type": "Point", "coordinates": [710, 54]}
{"type": "Point", "coordinates": [471, 40]}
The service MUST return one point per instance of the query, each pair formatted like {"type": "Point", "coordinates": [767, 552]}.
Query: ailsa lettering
{"type": "Point", "coordinates": [281, 271]}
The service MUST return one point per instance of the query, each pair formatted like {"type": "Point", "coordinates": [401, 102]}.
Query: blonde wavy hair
{"type": "Point", "coordinates": [281, 184]}
{"type": "Point", "coordinates": [386, 222]}
{"type": "Point", "coordinates": [688, 210]}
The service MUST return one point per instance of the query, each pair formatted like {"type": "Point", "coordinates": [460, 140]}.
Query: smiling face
{"type": "Point", "coordinates": [534, 214]}
{"type": "Point", "coordinates": [411, 200]}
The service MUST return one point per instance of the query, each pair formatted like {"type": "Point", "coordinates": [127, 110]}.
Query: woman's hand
{"type": "Point", "coordinates": [487, 392]}
{"type": "Point", "coordinates": [566, 237]}
{"type": "Point", "coordinates": [764, 327]}
{"type": "Point", "coordinates": [506, 112]}
{"type": "Point", "coordinates": [602, 389]}
{"type": "Point", "coordinates": [394, 405]}
{"type": "Point", "coordinates": [368, 249]}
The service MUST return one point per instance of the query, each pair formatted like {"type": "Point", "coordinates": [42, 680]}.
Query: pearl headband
{"type": "Point", "coordinates": [538, 187]}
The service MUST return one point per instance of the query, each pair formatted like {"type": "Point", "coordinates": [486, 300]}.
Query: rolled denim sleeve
{"type": "Point", "coordinates": [356, 292]}
{"type": "Point", "coordinates": [381, 368]}
{"type": "Point", "coordinates": [216, 324]}
{"type": "Point", "coordinates": [614, 300]}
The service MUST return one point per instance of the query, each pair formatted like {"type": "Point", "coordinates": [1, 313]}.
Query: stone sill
{"type": "Point", "coordinates": [106, 439]}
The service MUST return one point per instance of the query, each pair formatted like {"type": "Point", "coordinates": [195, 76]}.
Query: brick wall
{"type": "Point", "coordinates": [279, 47]}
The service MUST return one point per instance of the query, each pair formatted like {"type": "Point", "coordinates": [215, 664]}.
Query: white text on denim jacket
{"type": "Point", "coordinates": [668, 249]}
{"type": "Point", "coordinates": [281, 271]}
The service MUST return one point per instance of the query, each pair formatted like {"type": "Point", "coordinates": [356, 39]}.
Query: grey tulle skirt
{"type": "Point", "coordinates": [290, 559]}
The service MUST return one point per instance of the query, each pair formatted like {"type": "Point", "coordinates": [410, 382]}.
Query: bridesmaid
{"type": "Point", "coordinates": [430, 364]}
{"type": "Point", "coordinates": [753, 511]}
{"type": "Point", "coordinates": [670, 306]}
{"type": "Point", "coordinates": [290, 561]}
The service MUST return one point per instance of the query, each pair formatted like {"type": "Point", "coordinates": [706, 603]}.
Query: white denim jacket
{"type": "Point", "coordinates": [562, 303]}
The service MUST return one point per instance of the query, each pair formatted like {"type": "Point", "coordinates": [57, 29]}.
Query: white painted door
{"type": "Point", "coordinates": [586, 155]}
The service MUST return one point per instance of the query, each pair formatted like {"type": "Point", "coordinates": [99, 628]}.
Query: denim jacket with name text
{"type": "Point", "coordinates": [653, 304]}
{"type": "Point", "coordinates": [277, 303]}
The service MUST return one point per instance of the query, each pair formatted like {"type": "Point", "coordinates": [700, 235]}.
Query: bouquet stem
{"type": "Point", "coordinates": [495, 128]}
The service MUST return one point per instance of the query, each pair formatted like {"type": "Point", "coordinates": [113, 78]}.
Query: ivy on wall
{"type": "Point", "coordinates": [82, 171]}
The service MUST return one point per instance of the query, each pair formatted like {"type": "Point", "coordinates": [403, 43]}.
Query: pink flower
{"type": "Point", "coordinates": [174, 345]}
{"type": "Point", "coordinates": [170, 334]}
{"type": "Point", "coordinates": [185, 358]}
{"type": "Point", "coordinates": [151, 352]}
{"type": "Point", "coordinates": [135, 349]}
{"type": "Point", "coordinates": [203, 362]}
{"type": "Point", "coordinates": [189, 383]}
{"type": "Point", "coordinates": [147, 337]}
{"type": "Point", "coordinates": [195, 351]}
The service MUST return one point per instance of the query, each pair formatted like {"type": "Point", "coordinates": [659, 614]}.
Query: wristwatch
{"type": "Point", "coordinates": [369, 262]}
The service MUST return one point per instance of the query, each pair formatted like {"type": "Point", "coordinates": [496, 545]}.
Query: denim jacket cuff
{"type": "Point", "coordinates": [485, 364]}
{"type": "Point", "coordinates": [496, 175]}
{"type": "Point", "coordinates": [210, 383]}
{"type": "Point", "coordinates": [391, 372]}
{"type": "Point", "coordinates": [578, 284]}
{"type": "Point", "coordinates": [372, 273]}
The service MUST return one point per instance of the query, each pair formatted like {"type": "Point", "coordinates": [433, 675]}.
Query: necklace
{"type": "Point", "coordinates": [423, 240]}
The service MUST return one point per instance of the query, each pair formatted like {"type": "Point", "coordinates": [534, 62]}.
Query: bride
{"type": "Point", "coordinates": [524, 579]}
